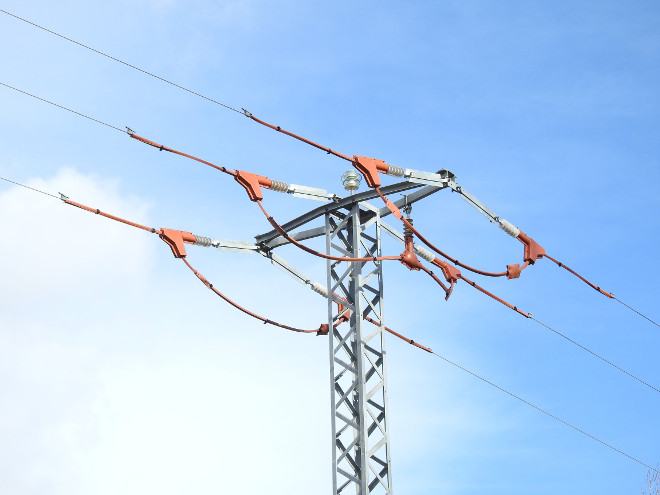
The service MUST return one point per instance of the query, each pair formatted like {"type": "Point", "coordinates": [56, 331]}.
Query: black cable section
{"type": "Point", "coordinates": [31, 188]}
{"type": "Point", "coordinates": [594, 354]}
{"type": "Point", "coordinates": [544, 412]}
{"type": "Point", "coordinates": [121, 62]}
{"type": "Point", "coordinates": [634, 310]}
{"type": "Point", "coordinates": [63, 108]}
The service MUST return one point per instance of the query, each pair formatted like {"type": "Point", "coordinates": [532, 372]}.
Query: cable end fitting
{"type": "Point", "coordinates": [513, 271]}
{"type": "Point", "coordinates": [129, 131]}
{"type": "Point", "coordinates": [246, 113]}
{"type": "Point", "coordinates": [63, 197]}
{"type": "Point", "coordinates": [324, 329]}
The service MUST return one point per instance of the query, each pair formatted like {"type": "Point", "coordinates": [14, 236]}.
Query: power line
{"type": "Point", "coordinates": [31, 188]}
{"type": "Point", "coordinates": [594, 354]}
{"type": "Point", "coordinates": [640, 314]}
{"type": "Point", "coordinates": [62, 107]}
{"type": "Point", "coordinates": [121, 61]}
{"type": "Point", "coordinates": [544, 411]}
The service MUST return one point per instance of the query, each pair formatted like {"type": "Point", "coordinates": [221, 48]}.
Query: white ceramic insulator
{"type": "Point", "coordinates": [395, 171]}
{"type": "Point", "coordinates": [425, 253]}
{"type": "Point", "coordinates": [200, 240]}
{"type": "Point", "coordinates": [279, 186]}
{"type": "Point", "coordinates": [509, 228]}
{"type": "Point", "coordinates": [319, 289]}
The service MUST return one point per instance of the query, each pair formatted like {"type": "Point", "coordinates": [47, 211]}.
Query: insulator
{"type": "Point", "coordinates": [319, 289]}
{"type": "Point", "coordinates": [351, 180]}
{"type": "Point", "coordinates": [395, 171]}
{"type": "Point", "coordinates": [425, 253]}
{"type": "Point", "coordinates": [200, 240]}
{"type": "Point", "coordinates": [279, 186]}
{"type": "Point", "coordinates": [406, 230]}
{"type": "Point", "coordinates": [509, 228]}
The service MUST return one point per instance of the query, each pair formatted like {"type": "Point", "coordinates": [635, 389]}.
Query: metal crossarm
{"type": "Point", "coordinates": [361, 450]}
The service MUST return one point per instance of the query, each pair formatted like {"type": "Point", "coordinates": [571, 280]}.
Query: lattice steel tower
{"type": "Point", "coordinates": [361, 444]}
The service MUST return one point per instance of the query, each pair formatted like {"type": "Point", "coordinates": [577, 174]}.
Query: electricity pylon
{"type": "Point", "coordinates": [361, 462]}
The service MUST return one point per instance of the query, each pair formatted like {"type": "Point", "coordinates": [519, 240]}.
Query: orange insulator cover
{"type": "Point", "coordinates": [252, 184]}
{"type": "Point", "coordinates": [369, 167]}
{"type": "Point", "coordinates": [533, 251]}
{"type": "Point", "coordinates": [176, 239]}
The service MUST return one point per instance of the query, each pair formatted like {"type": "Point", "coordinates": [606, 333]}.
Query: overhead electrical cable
{"type": "Point", "coordinates": [511, 394]}
{"type": "Point", "coordinates": [31, 188]}
{"type": "Point", "coordinates": [121, 61]}
{"type": "Point", "coordinates": [640, 314]}
{"type": "Point", "coordinates": [594, 354]}
{"type": "Point", "coordinates": [246, 311]}
{"type": "Point", "coordinates": [62, 107]}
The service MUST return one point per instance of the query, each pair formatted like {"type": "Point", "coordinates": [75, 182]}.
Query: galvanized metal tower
{"type": "Point", "coordinates": [361, 443]}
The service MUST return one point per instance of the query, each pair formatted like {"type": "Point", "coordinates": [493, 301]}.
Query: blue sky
{"type": "Point", "coordinates": [122, 373]}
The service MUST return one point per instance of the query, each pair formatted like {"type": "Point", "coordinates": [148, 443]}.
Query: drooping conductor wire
{"type": "Point", "coordinates": [176, 240]}
{"type": "Point", "coordinates": [370, 169]}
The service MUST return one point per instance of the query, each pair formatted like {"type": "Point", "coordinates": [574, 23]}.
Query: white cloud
{"type": "Point", "coordinates": [118, 380]}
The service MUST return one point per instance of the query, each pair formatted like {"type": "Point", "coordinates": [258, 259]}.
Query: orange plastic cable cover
{"type": "Point", "coordinates": [500, 300]}
{"type": "Point", "coordinates": [299, 138]}
{"type": "Point", "coordinates": [593, 286]}
{"type": "Point", "coordinates": [346, 316]}
{"type": "Point", "coordinates": [171, 150]}
{"type": "Point", "coordinates": [209, 285]}
{"type": "Point", "coordinates": [406, 339]}
{"type": "Point", "coordinates": [251, 182]}
{"type": "Point", "coordinates": [112, 217]}
{"type": "Point", "coordinates": [284, 234]}
{"type": "Point", "coordinates": [448, 291]}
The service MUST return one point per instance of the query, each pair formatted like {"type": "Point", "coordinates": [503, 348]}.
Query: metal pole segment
{"type": "Point", "coordinates": [360, 438]}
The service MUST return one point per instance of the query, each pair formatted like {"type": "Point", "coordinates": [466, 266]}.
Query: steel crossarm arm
{"type": "Point", "coordinates": [274, 239]}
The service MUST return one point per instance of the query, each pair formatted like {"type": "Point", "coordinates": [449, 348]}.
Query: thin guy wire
{"type": "Point", "coordinates": [594, 354]}
{"type": "Point", "coordinates": [121, 62]}
{"type": "Point", "coordinates": [32, 188]}
{"type": "Point", "coordinates": [63, 108]}
{"type": "Point", "coordinates": [640, 314]}
{"type": "Point", "coordinates": [545, 412]}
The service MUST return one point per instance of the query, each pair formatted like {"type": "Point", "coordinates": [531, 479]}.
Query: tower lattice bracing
{"type": "Point", "coordinates": [361, 446]}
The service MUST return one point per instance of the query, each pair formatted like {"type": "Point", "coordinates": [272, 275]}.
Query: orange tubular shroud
{"type": "Point", "coordinates": [346, 316]}
{"type": "Point", "coordinates": [593, 286]}
{"type": "Point", "coordinates": [251, 182]}
{"type": "Point", "coordinates": [171, 150]}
